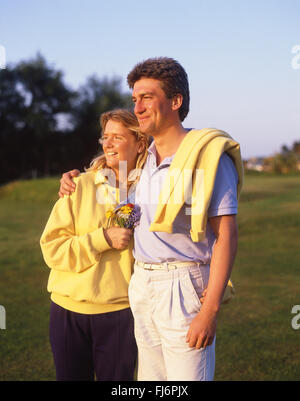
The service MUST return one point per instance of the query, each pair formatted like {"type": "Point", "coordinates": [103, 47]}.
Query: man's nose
{"type": "Point", "coordinates": [139, 108]}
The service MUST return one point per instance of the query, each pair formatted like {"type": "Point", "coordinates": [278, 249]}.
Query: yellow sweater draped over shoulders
{"type": "Point", "coordinates": [195, 166]}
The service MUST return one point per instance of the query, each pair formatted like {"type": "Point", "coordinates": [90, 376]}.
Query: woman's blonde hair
{"type": "Point", "coordinates": [129, 120]}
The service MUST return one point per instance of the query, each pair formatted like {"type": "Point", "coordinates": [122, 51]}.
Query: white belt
{"type": "Point", "coordinates": [165, 265]}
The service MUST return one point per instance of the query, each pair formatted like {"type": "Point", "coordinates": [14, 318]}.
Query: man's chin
{"type": "Point", "coordinates": [148, 133]}
{"type": "Point", "coordinates": [146, 130]}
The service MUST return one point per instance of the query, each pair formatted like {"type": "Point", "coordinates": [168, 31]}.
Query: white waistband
{"type": "Point", "coordinates": [166, 265]}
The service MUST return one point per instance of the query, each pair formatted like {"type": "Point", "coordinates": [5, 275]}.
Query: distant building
{"type": "Point", "coordinates": [254, 163]}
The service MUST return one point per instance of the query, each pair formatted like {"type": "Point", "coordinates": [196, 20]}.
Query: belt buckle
{"type": "Point", "coordinates": [170, 266]}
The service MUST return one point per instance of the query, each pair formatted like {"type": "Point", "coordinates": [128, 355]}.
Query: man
{"type": "Point", "coordinates": [179, 254]}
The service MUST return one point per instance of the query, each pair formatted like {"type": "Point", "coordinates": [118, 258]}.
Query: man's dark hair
{"type": "Point", "coordinates": [172, 76]}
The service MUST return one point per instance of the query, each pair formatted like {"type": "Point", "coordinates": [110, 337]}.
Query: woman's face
{"type": "Point", "coordinates": [120, 144]}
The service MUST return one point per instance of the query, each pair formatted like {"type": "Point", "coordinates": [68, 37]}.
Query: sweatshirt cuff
{"type": "Point", "coordinates": [98, 240]}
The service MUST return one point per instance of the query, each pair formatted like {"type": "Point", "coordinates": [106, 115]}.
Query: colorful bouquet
{"type": "Point", "coordinates": [126, 216]}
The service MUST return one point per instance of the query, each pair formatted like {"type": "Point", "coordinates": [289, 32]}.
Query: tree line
{"type": "Point", "coordinates": [285, 161]}
{"type": "Point", "coordinates": [46, 127]}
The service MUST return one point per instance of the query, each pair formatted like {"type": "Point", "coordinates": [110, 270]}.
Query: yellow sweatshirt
{"type": "Point", "coordinates": [87, 275]}
{"type": "Point", "coordinates": [199, 151]}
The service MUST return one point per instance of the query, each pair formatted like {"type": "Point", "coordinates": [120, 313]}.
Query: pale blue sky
{"type": "Point", "coordinates": [237, 53]}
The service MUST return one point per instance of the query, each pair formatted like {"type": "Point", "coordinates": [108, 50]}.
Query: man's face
{"type": "Point", "coordinates": [152, 108]}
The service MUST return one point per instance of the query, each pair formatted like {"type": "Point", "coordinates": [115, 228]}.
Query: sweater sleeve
{"type": "Point", "coordinates": [64, 250]}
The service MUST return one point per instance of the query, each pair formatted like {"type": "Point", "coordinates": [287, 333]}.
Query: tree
{"type": "Point", "coordinates": [282, 163]}
{"type": "Point", "coordinates": [94, 98]}
{"type": "Point", "coordinates": [46, 96]}
{"type": "Point", "coordinates": [12, 115]}
{"type": "Point", "coordinates": [296, 148]}
{"type": "Point", "coordinates": [34, 101]}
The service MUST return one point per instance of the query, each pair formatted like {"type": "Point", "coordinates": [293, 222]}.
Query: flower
{"type": "Point", "coordinates": [109, 214]}
{"type": "Point", "coordinates": [125, 210]}
{"type": "Point", "coordinates": [126, 216]}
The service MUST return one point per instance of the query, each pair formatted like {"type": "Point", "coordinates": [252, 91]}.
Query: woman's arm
{"type": "Point", "coordinates": [62, 248]}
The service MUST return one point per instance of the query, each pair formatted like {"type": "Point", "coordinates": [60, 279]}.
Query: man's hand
{"type": "Point", "coordinates": [202, 330]}
{"type": "Point", "coordinates": [203, 295]}
{"type": "Point", "coordinates": [67, 185]}
{"type": "Point", "coordinates": [118, 237]}
{"type": "Point", "coordinates": [203, 327]}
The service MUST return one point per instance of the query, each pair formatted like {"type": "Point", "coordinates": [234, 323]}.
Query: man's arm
{"type": "Point", "coordinates": [67, 186]}
{"type": "Point", "coordinates": [203, 327]}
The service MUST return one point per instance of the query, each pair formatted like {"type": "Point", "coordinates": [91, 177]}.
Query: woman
{"type": "Point", "coordinates": [91, 325]}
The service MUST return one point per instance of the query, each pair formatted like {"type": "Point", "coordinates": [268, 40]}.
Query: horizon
{"type": "Point", "coordinates": [242, 58]}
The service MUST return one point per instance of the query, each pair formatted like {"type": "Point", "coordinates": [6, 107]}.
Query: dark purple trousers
{"type": "Point", "coordinates": [89, 346]}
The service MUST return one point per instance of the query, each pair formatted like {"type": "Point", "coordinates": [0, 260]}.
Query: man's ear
{"type": "Point", "coordinates": [177, 101]}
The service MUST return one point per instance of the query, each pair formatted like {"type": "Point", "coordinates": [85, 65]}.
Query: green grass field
{"type": "Point", "coordinates": [255, 339]}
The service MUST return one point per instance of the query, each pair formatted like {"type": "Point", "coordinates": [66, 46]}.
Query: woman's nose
{"type": "Point", "coordinates": [109, 141]}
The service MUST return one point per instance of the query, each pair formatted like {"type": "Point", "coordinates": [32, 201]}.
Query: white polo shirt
{"type": "Point", "coordinates": [157, 247]}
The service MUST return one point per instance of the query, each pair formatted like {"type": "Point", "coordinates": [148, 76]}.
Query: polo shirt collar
{"type": "Point", "coordinates": [152, 153]}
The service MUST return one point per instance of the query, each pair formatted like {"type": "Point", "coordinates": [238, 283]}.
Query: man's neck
{"type": "Point", "coordinates": [168, 142]}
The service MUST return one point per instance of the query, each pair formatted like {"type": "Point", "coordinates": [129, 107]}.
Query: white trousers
{"type": "Point", "coordinates": [164, 304]}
